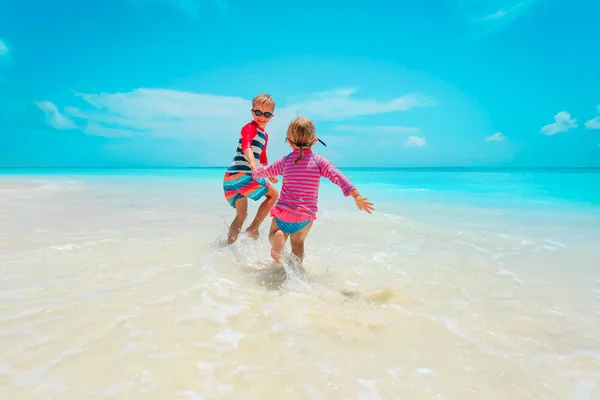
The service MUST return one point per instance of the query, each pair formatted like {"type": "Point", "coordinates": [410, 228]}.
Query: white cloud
{"type": "Point", "coordinates": [495, 137]}
{"type": "Point", "coordinates": [210, 122]}
{"type": "Point", "coordinates": [507, 9]}
{"type": "Point", "coordinates": [383, 130]}
{"type": "Point", "coordinates": [486, 16]}
{"type": "Point", "coordinates": [54, 117]}
{"type": "Point", "coordinates": [3, 48]}
{"type": "Point", "coordinates": [160, 113]}
{"type": "Point", "coordinates": [594, 123]}
{"type": "Point", "coordinates": [165, 113]}
{"type": "Point", "coordinates": [499, 11]}
{"type": "Point", "coordinates": [562, 123]}
{"type": "Point", "coordinates": [497, 15]}
{"type": "Point", "coordinates": [340, 104]}
{"type": "Point", "coordinates": [415, 141]}
{"type": "Point", "coordinates": [5, 56]}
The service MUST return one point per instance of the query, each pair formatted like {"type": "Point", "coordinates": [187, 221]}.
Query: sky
{"type": "Point", "coordinates": [169, 83]}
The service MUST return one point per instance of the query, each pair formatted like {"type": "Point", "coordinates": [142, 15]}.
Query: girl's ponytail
{"type": "Point", "coordinates": [301, 134]}
{"type": "Point", "coordinates": [300, 156]}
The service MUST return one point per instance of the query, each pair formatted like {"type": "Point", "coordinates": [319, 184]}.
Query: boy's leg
{"type": "Point", "coordinates": [241, 211]}
{"type": "Point", "coordinates": [277, 239]}
{"type": "Point", "coordinates": [262, 212]}
{"type": "Point", "coordinates": [297, 241]}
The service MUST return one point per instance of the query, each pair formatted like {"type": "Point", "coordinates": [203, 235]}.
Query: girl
{"type": "Point", "coordinates": [296, 209]}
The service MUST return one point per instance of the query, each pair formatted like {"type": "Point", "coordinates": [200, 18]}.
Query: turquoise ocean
{"type": "Point", "coordinates": [463, 284]}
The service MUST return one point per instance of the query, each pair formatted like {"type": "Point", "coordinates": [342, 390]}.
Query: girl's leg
{"type": "Point", "coordinates": [297, 241]}
{"type": "Point", "coordinates": [241, 211]}
{"type": "Point", "coordinates": [277, 239]}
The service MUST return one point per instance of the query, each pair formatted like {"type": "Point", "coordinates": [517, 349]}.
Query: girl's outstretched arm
{"type": "Point", "coordinates": [334, 175]}
{"type": "Point", "coordinates": [361, 202]}
{"type": "Point", "coordinates": [272, 170]}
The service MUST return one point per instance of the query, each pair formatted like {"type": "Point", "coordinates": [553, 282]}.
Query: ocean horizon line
{"type": "Point", "coordinates": [362, 168]}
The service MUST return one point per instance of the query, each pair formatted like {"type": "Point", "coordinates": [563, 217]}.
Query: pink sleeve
{"type": "Point", "coordinates": [272, 170]}
{"type": "Point", "coordinates": [248, 133]}
{"type": "Point", "coordinates": [334, 175]}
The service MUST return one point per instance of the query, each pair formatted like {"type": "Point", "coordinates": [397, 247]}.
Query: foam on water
{"type": "Point", "coordinates": [120, 286]}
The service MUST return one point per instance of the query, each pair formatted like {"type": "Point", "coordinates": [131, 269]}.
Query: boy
{"type": "Point", "coordinates": [238, 184]}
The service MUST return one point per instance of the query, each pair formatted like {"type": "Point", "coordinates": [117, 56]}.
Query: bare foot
{"type": "Point", "coordinates": [278, 246]}
{"type": "Point", "coordinates": [253, 234]}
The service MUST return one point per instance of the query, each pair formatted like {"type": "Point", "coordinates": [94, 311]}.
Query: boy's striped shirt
{"type": "Point", "coordinates": [256, 139]}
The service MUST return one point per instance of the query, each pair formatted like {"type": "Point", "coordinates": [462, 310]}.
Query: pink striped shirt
{"type": "Point", "coordinates": [300, 189]}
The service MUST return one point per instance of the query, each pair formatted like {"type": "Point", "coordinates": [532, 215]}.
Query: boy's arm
{"type": "Point", "coordinates": [264, 160]}
{"type": "Point", "coordinates": [250, 157]}
{"type": "Point", "coordinates": [248, 134]}
{"type": "Point", "coordinates": [271, 171]}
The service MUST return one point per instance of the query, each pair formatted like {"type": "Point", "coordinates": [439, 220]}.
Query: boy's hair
{"type": "Point", "coordinates": [301, 133]}
{"type": "Point", "coordinates": [263, 99]}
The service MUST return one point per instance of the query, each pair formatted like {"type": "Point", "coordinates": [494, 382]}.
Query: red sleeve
{"type": "Point", "coordinates": [264, 160]}
{"type": "Point", "coordinates": [248, 133]}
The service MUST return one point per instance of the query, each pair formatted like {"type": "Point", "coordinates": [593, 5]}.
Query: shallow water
{"type": "Point", "coordinates": [120, 286]}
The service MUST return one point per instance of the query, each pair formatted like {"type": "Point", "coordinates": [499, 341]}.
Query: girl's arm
{"type": "Point", "coordinates": [334, 175]}
{"type": "Point", "coordinates": [268, 172]}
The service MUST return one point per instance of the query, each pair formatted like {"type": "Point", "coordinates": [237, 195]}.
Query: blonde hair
{"type": "Point", "coordinates": [301, 133]}
{"type": "Point", "coordinates": [263, 99]}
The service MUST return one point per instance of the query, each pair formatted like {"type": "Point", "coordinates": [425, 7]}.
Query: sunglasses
{"type": "Point", "coordinates": [322, 142]}
{"type": "Point", "coordinates": [258, 113]}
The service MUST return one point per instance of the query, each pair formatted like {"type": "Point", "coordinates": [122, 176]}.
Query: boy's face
{"type": "Point", "coordinates": [262, 120]}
